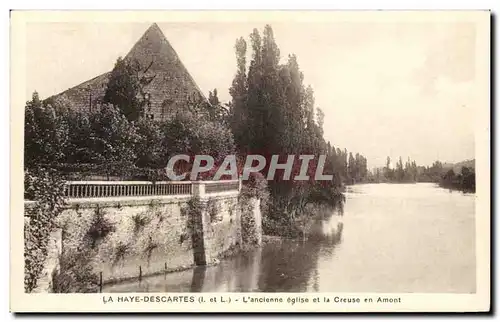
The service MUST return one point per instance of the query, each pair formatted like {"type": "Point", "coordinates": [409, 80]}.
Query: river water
{"type": "Point", "coordinates": [391, 238]}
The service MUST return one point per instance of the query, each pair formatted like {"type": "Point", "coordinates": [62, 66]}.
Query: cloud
{"type": "Point", "coordinates": [450, 55]}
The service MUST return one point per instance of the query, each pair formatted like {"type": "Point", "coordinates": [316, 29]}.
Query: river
{"type": "Point", "coordinates": [391, 238]}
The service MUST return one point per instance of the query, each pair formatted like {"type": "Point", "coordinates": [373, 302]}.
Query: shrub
{"type": "Point", "coordinates": [76, 274]}
{"type": "Point", "coordinates": [121, 251]}
{"type": "Point", "coordinates": [150, 247]}
{"type": "Point", "coordinates": [140, 221]}
{"type": "Point", "coordinates": [100, 227]}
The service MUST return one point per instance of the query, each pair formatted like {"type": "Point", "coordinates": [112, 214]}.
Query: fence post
{"type": "Point", "coordinates": [198, 188]}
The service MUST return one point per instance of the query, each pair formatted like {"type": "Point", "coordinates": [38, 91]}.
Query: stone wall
{"type": "Point", "coordinates": [150, 235]}
{"type": "Point", "coordinates": [131, 237]}
{"type": "Point", "coordinates": [222, 229]}
{"type": "Point", "coordinates": [147, 236]}
{"type": "Point", "coordinates": [153, 236]}
{"type": "Point", "coordinates": [51, 265]}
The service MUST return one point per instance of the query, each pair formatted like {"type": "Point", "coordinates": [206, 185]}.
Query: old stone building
{"type": "Point", "coordinates": [169, 85]}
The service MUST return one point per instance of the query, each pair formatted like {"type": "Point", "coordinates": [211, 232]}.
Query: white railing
{"type": "Point", "coordinates": [105, 189]}
{"type": "Point", "coordinates": [215, 187]}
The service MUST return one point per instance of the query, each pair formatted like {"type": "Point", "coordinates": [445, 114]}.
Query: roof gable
{"type": "Point", "coordinates": [170, 80]}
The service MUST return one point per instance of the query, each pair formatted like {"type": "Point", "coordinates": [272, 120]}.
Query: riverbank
{"type": "Point", "coordinates": [457, 188]}
{"type": "Point", "coordinates": [437, 184]}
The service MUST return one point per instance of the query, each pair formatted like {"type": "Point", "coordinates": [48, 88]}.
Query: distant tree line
{"type": "Point", "coordinates": [401, 173]}
{"type": "Point", "coordinates": [436, 173]}
{"type": "Point", "coordinates": [348, 168]}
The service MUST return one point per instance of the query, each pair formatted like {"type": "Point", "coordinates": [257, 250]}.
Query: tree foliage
{"type": "Point", "coordinates": [45, 188]}
{"type": "Point", "coordinates": [126, 88]}
{"type": "Point", "coordinates": [190, 133]}
{"type": "Point", "coordinates": [45, 133]}
{"type": "Point", "coordinates": [464, 181]}
{"type": "Point", "coordinates": [104, 142]}
{"type": "Point", "coordinates": [273, 113]}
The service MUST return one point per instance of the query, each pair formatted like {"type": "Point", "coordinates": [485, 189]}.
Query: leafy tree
{"type": "Point", "coordinates": [238, 91]}
{"type": "Point", "coordinates": [352, 167]}
{"type": "Point", "coordinates": [192, 134]}
{"type": "Point", "coordinates": [321, 120]}
{"type": "Point", "coordinates": [125, 89]}
{"type": "Point", "coordinates": [272, 112]}
{"type": "Point", "coordinates": [468, 182]}
{"type": "Point", "coordinates": [45, 133]}
{"type": "Point", "coordinates": [80, 149]}
{"type": "Point", "coordinates": [464, 181]}
{"type": "Point", "coordinates": [217, 112]}
{"type": "Point", "coordinates": [389, 173]}
{"type": "Point", "coordinates": [150, 153]}
{"type": "Point", "coordinates": [254, 100]}
{"type": "Point", "coordinates": [212, 97]}
{"type": "Point", "coordinates": [399, 170]}
{"type": "Point", "coordinates": [113, 136]}
{"type": "Point", "coordinates": [291, 79]}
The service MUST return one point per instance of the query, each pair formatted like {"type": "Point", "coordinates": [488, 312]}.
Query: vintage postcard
{"type": "Point", "coordinates": [239, 161]}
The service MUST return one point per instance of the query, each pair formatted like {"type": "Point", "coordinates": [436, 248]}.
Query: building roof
{"type": "Point", "coordinates": [170, 80]}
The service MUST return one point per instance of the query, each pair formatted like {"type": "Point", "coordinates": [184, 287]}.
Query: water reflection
{"type": "Point", "coordinates": [277, 266]}
{"type": "Point", "coordinates": [393, 238]}
{"type": "Point", "coordinates": [291, 266]}
{"type": "Point", "coordinates": [198, 278]}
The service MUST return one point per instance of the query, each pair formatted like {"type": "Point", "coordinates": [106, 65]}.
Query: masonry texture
{"type": "Point", "coordinates": [222, 226]}
{"type": "Point", "coordinates": [170, 86]}
{"type": "Point", "coordinates": [146, 236]}
{"type": "Point", "coordinates": [51, 264]}
{"type": "Point", "coordinates": [152, 235]}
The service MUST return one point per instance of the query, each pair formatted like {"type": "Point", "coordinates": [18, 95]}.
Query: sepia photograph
{"type": "Point", "coordinates": [252, 158]}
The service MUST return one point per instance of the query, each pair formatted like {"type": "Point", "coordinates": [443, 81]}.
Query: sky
{"type": "Point", "coordinates": [387, 89]}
